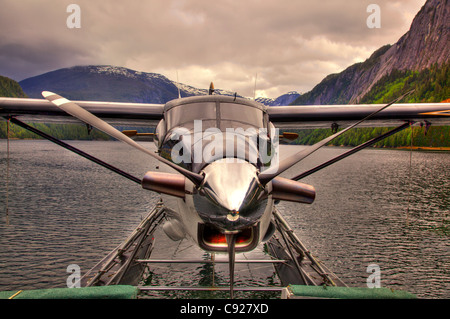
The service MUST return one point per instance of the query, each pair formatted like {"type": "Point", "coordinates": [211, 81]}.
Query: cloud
{"type": "Point", "coordinates": [291, 45]}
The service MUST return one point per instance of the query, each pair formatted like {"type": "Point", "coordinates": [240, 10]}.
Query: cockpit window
{"type": "Point", "coordinates": [228, 128]}
{"type": "Point", "coordinates": [185, 114]}
{"type": "Point", "coordinates": [230, 115]}
{"type": "Point", "coordinates": [241, 113]}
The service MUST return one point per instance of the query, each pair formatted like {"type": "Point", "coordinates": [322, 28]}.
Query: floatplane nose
{"type": "Point", "coordinates": [230, 198]}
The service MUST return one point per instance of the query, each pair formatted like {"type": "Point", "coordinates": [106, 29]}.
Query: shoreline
{"type": "Point", "coordinates": [423, 148]}
{"type": "Point", "coordinates": [407, 148]}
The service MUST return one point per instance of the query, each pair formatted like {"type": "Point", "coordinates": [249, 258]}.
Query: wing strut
{"type": "Point", "coordinates": [75, 150]}
{"type": "Point", "coordinates": [352, 151]}
{"type": "Point", "coordinates": [271, 173]}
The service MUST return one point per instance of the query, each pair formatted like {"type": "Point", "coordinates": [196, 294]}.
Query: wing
{"type": "Point", "coordinates": [41, 110]}
{"type": "Point", "coordinates": [301, 116]}
{"type": "Point", "coordinates": [397, 115]}
{"type": "Point", "coordinates": [317, 116]}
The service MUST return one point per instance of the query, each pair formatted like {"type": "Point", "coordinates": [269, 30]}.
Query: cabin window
{"type": "Point", "coordinates": [241, 113]}
{"type": "Point", "coordinates": [183, 114]}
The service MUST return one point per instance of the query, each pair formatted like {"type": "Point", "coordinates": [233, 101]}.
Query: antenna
{"type": "Point", "coordinates": [254, 90]}
{"type": "Point", "coordinates": [178, 86]}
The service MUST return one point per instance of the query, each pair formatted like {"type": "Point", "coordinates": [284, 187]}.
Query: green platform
{"type": "Point", "coordinates": [348, 292]}
{"type": "Point", "coordinates": [100, 292]}
{"type": "Point", "coordinates": [130, 292]}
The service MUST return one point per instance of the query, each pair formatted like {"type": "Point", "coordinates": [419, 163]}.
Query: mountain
{"type": "Point", "coordinates": [284, 99]}
{"type": "Point", "coordinates": [110, 83]}
{"type": "Point", "coordinates": [119, 84]}
{"type": "Point", "coordinates": [265, 100]}
{"type": "Point", "coordinates": [425, 46]}
{"type": "Point", "coordinates": [10, 88]}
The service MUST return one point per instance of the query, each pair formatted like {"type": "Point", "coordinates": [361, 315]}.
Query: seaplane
{"type": "Point", "coordinates": [219, 173]}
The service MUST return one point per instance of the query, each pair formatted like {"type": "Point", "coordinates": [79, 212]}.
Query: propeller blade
{"type": "Point", "coordinates": [89, 118]}
{"type": "Point", "coordinates": [231, 242]}
{"type": "Point", "coordinates": [271, 173]}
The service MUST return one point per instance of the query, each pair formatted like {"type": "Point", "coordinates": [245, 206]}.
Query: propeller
{"type": "Point", "coordinates": [271, 173]}
{"type": "Point", "coordinates": [89, 118]}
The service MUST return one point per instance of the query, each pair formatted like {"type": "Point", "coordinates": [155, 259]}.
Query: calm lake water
{"type": "Point", "coordinates": [66, 210]}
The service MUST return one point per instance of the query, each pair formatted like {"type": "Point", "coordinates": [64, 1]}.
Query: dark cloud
{"type": "Point", "coordinates": [291, 45]}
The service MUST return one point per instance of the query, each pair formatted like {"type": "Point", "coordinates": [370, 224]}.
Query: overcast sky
{"type": "Point", "coordinates": [289, 44]}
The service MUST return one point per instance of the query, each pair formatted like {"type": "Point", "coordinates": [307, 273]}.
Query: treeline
{"type": "Point", "coordinates": [437, 136]}
{"type": "Point", "coordinates": [430, 86]}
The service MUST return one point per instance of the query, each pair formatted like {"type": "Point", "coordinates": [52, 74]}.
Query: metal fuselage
{"type": "Point", "coordinates": [229, 141]}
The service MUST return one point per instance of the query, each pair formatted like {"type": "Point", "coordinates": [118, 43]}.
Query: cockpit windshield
{"type": "Point", "coordinates": [201, 130]}
{"type": "Point", "coordinates": [221, 113]}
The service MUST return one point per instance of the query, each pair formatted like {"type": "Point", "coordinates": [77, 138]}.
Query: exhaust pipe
{"type": "Point", "coordinates": [293, 191]}
{"type": "Point", "coordinates": [165, 183]}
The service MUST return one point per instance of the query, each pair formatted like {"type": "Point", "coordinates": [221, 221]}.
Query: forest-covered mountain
{"type": "Point", "coordinates": [430, 85]}
{"type": "Point", "coordinates": [10, 88]}
{"type": "Point", "coordinates": [419, 61]}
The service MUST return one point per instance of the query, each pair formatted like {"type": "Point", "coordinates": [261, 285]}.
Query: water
{"type": "Point", "coordinates": [66, 210]}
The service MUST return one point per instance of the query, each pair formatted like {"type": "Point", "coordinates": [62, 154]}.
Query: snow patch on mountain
{"type": "Point", "coordinates": [284, 99]}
